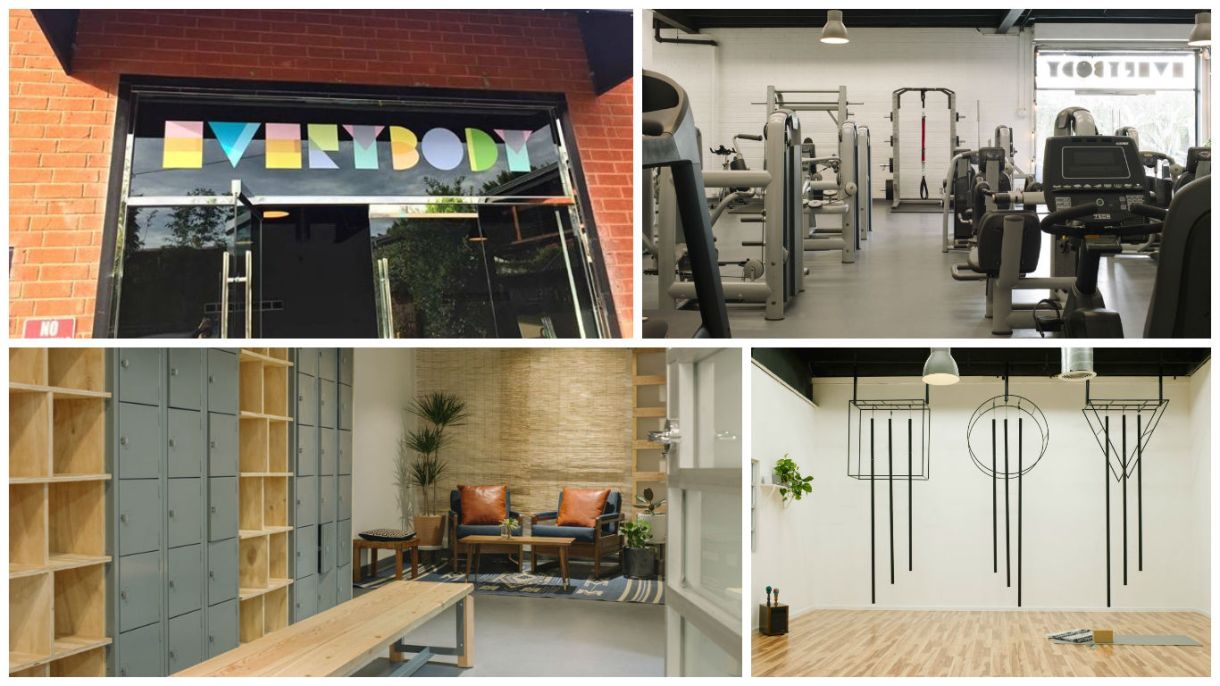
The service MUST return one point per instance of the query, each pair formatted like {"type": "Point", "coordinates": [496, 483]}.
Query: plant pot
{"type": "Point", "coordinates": [639, 563]}
{"type": "Point", "coordinates": [430, 529]}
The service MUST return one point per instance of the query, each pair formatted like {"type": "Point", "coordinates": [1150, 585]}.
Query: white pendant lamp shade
{"type": "Point", "coordinates": [940, 369]}
{"type": "Point", "coordinates": [1200, 35]}
{"type": "Point", "coordinates": [834, 32]}
{"type": "Point", "coordinates": [1077, 364]}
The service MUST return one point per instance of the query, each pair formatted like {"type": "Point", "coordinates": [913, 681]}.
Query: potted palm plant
{"type": "Point", "coordinates": [439, 411]}
{"type": "Point", "coordinates": [639, 561]}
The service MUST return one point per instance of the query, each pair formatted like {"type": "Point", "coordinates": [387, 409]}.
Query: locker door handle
{"type": "Point", "coordinates": [171, 654]}
{"type": "Point", "coordinates": [171, 583]}
{"type": "Point", "coordinates": [171, 443]}
{"type": "Point", "coordinates": [211, 444]}
{"type": "Point", "coordinates": [213, 508]}
{"type": "Point", "coordinates": [211, 574]}
{"type": "Point", "coordinates": [125, 364]}
{"type": "Point", "coordinates": [122, 671]}
{"type": "Point", "coordinates": [173, 371]}
{"type": "Point", "coordinates": [123, 441]}
{"type": "Point", "coordinates": [123, 518]}
{"type": "Point", "coordinates": [123, 595]}
{"type": "Point", "coordinates": [171, 514]}
{"type": "Point", "coordinates": [211, 378]}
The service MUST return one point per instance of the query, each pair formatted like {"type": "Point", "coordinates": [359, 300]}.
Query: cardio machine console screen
{"type": "Point", "coordinates": [1103, 171]}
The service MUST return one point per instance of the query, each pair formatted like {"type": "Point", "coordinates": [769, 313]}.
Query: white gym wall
{"type": "Point", "coordinates": [817, 550]}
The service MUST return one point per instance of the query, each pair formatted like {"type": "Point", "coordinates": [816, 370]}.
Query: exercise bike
{"type": "Point", "coordinates": [1097, 190]}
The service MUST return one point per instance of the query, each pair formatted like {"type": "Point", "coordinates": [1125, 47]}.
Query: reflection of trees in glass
{"type": "Point", "coordinates": [1165, 120]}
{"type": "Point", "coordinates": [443, 194]}
{"type": "Point", "coordinates": [197, 226]}
{"type": "Point", "coordinates": [434, 267]}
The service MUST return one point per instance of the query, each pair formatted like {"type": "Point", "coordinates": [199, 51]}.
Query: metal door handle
{"type": "Point", "coordinates": [171, 514]}
{"type": "Point", "coordinates": [211, 444]}
{"type": "Point", "coordinates": [249, 294]}
{"type": "Point", "coordinates": [125, 364]}
{"type": "Point", "coordinates": [123, 441]}
{"type": "Point", "coordinates": [171, 443]}
{"type": "Point", "coordinates": [123, 595]}
{"type": "Point", "coordinates": [173, 371]}
{"type": "Point", "coordinates": [123, 518]}
{"type": "Point", "coordinates": [224, 298]}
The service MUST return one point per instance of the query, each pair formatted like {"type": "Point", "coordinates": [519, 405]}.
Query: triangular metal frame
{"type": "Point", "coordinates": [1097, 411]}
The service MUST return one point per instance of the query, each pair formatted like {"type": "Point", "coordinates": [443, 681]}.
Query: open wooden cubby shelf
{"type": "Point", "coordinates": [264, 506]}
{"type": "Point", "coordinates": [57, 512]}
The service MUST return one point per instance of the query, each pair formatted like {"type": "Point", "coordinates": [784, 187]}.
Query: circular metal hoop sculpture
{"type": "Point", "coordinates": [999, 408]}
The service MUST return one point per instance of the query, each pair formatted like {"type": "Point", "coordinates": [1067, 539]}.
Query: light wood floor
{"type": "Point", "coordinates": [934, 643]}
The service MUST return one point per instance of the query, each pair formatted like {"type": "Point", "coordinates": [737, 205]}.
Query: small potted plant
{"type": "Point", "coordinates": [639, 561]}
{"type": "Point", "coordinates": [507, 526]}
{"type": "Point", "coordinates": [788, 477]}
{"type": "Point", "coordinates": [649, 504]}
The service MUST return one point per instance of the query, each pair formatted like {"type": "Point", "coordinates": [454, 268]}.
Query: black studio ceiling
{"type": "Point", "coordinates": [1002, 20]}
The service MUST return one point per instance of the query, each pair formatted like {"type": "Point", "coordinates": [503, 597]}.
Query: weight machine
{"type": "Point", "coordinates": [923, 203]}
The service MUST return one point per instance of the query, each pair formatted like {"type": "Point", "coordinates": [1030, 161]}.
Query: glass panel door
{"type": "Point", "coordinates": [176, 267]}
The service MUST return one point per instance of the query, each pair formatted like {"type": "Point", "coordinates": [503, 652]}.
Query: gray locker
{"type": "Point", "coordinates": [345, 407]}
{"type": "Point", "coordinates": [328, 591]}
{"type": "Point", "coordinates": [307, 450]}
{"type": "Point", "coordinates": [326, 563]}
{"type": "Point", "coordinates": [328, 450]}
{"type": "Point", "coordinates": [185, 445]}
{"type": "Point", "coordinates": [139, 652]}
{"type": "Point", "coordinates": [222, 507]}
{"type": "Point", "coordinates": [328, 404]}
{"type": "Point", "coordinates": [342, 574]}
{"type": "Point", "coordinates": [185, 582]}
{"type": "Point", "coordinates": [346, 365]}
{"type": "Point", "coordinates": [307, 501]}
{"type": "Point", "coordinates": [305, 552]}
{"type": "Point", "coordinates": [139, 590]}
{"type": "Point", "coordinates": [307, 361]}
{"type": "Point", "coordinates": [345, 452]}
{"type": "Point", "coordinates": [222, 627]}
{"type": "Point", "coordinates": [345, 544]}
{"type": "Point", "coordinates": [328, 363]}
{"type": "Point", "coordinates": [222, 444]}
{"type": "Point", "coordinates": [222, 571]}
{"type": "Point", "coordinates": [186, 378]}
{"type": "Point", "coordinates": [140, 513]}
{"type": "Point", "coordinates": [185, 641]}
{"type": "Point", "coordinates": [345, 498]}
{"type": "Point", "coordinates": [222, 381]}
{"type": "Point", "coordinates": [185, 512]}
{"type": "Point", "coordinates": [327, 507]}
{"type": "Point", "coordinates": [140, 441]}
{"type": "Point", "coordinates": [304, 598]}
{"type": "Point", "coordinates": [307, 400]}
{"type": "Point", "coordinates": [139, 376]}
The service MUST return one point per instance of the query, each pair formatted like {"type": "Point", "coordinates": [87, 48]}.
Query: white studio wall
{"type": "Point", "coordinates": [819, 547]}
{"type": "Point", "coordinates": [385, 386]}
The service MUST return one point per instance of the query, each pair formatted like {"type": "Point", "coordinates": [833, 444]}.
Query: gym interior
{"type": "Point", "coordinates": [926, 173]}
{"type": "Point", "coordinates": [374, 512]}
{"type": "Point", "coordinates": [981, 512]}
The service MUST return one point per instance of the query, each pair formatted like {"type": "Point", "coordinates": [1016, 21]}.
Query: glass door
{"type": "Point", "coordinates": [703, 584]}
{"type": "Point", "coordinates": [182, 270]}
{"type": "Point", "coordinates": [509, 269]}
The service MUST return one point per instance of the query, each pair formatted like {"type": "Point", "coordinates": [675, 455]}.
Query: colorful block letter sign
{"type": "Point", "coordinates": [183, 145]}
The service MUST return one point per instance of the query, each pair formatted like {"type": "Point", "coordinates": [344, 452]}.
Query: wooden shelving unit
{"type": "Point", "coordinates": [57, 512]}
{"type": "Point", "coordinates": [264, 571]}
{"type": "Point", "coordinates": [647, 414]}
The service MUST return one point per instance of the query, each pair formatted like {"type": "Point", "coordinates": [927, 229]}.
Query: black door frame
{"type": "Point", "coordinates": [554, 103]}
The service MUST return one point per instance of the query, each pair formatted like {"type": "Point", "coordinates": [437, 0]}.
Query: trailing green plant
{"type": "Point", "coordinates": [509, 524]}
{"type": "Point", "coordinates": [439, 411]}
{"type": "Point", "coordinates": [637, 533]}
{"type": "Point", "coordinates": [788, 477]}
{"type": "Point", "coordinates": [645, 502]}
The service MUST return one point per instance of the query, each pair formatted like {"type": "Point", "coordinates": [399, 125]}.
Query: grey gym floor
{"type": "Point", "coordinates": [548, 637]}
{"type": "Point", "coordinates": [899, 287]}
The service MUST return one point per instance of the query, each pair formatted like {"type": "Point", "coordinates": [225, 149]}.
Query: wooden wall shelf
{"type": "Point", "coordinates": [57, 512]}
{"type": "Point", "coordinates": [649, 402]}
{"type": "Point", "coordinates": [263, 491]}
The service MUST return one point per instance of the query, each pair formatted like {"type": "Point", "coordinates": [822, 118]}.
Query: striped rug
{"type": "Point", "coordinates": [497, 576]}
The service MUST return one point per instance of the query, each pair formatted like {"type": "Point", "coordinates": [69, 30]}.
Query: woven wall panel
{"type": "Point", "coordinates": [540, 419]}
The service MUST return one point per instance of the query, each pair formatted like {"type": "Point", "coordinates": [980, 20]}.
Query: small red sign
{"type": "Point", "coordinates": [50, 328]}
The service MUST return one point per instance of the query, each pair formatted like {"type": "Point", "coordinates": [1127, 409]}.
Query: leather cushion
{"type": "Point", "coordinates": [483, 504]}
{"type": "Point", "coordinates": [582, 506]}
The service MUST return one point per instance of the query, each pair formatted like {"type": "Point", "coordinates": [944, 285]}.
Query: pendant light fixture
{"type": "Point", "coordinates": [834, 32]}
{"type": "Point", "coordinates": [1200, 35]}
{"type": "Point", "coordinates": [1077, 364]}
{"type": "Point", "coordinates": [940, 369]}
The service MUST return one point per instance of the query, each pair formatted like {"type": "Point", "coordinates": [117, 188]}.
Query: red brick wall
{"type": "Point", "coordinates": [60, 126]}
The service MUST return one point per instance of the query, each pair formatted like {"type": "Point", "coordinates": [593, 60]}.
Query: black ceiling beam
{"type": "Point", "coordinates": [699, 20]}
{"type": "Point", "coordinates": [675, 19]}
{"type": "Point", "coordinates": [1038, 362]}
{"type": "Point", "coordinates": [59, 28]}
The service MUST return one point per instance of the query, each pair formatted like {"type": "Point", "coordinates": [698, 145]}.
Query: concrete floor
{"type": "Point", "coordinates": [549, 637]}
{"type": "Point", "coordinates": [900, 287]}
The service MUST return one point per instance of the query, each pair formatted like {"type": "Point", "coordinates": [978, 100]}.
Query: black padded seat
{"type": "Point", "coordinates": [1181, 305]}
{"type": "Point", "coordinates": [985, 256]}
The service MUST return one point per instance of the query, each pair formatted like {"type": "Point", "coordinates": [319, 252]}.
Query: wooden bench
{"type": "Point", "coordinates": [345, 638]}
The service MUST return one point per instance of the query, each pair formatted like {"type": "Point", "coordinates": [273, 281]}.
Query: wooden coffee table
{"type": "Point", "coordinates": [359, 545]}
{"type": "Point", "coordinates": [473, 543]}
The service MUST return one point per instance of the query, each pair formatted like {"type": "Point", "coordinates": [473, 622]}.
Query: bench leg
{"type": "Point", "coordinates": [465, 631]}
{"type": "Point", "coordinates": [395, 653]}
{"type": "Point", "coordinates": [414, 562]}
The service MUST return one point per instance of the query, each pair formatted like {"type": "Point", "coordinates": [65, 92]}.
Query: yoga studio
{"type": "Point", "coordinates": [981, 512]}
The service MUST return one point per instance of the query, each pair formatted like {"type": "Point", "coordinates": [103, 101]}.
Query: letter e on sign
{"type": "Point", "coordinates": [50, 328]}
